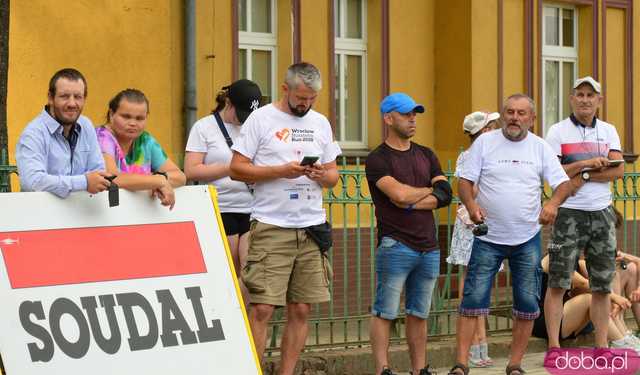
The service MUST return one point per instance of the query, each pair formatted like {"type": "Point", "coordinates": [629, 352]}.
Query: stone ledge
{"type": "Point", "coordinates": [358, 361]}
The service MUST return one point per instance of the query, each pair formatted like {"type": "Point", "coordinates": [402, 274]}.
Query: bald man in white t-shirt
{"type": "Point", "coordinates": [285, 265]}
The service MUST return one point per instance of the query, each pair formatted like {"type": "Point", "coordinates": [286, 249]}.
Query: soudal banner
{"type": "Point", "coordinates": [132, 289]}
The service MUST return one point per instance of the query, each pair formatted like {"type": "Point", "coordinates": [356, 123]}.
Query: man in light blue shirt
{"type": "Point", "coordinates": [58, 151]}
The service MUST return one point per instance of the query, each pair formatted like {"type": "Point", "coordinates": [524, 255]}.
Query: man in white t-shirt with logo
{"type": "Point", "coordinates": [286, 149]}
{"type": "Point", "coordinates": [585, 146]}
{"type": "Point", "coordinates": [509, 167]}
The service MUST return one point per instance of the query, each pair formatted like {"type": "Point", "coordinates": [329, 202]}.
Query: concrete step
{"type": "Point", "coordinates": [440, 354]}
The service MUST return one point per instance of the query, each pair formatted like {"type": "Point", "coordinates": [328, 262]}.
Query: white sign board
{"type": "Point", "coordinates": [132, 289]}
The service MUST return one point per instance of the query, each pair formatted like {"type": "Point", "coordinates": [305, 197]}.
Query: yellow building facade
{"type": "Point", "coordinates": [453, 56]}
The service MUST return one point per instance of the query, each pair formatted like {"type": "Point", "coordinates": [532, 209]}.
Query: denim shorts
{"type": "Point", "coordinates": [526, 277]}
{"type": "Point", "coordinates": [398, 265]}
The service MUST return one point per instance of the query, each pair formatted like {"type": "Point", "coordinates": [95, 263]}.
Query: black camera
{"type": "Point", "coordinates": [480, 230]}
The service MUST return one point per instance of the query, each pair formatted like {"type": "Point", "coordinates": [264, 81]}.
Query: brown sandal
{"type": "Point", "coordinates": [515, 368]}
{"type": "Point", "coordinates": [459, 366]}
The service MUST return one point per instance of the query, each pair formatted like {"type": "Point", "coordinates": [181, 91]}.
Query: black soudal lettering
{"type": "Point", "coordinates": [26, 309]}
{"type": "Point", "coordinates": [176, 323]}
{"type": "Point", "coordinates": [205, 333]}
{"type": "Point", "coordinates": [136, 341]}
{"type": "Point", "coordinates": [135, 308]}
{"type": "Point", "coordinates": [89, 304]}
{"type": "Point", "coordinates": [76, 349]}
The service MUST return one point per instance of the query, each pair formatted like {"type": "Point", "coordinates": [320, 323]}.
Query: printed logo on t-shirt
{"type": "Point", "coordinates": [295, 135]}
{"type": "Point", "coordinates": [515, 162]}
{"type": "Point", "coordinates": [572, 152]}
{"type": "Point", "coordinates": [302, 135]}
{"type": "Point", "coordinates": [283, 134]}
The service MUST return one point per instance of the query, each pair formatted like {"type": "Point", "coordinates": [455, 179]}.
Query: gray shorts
{"type": "Point", "coordinates": [591, 231]}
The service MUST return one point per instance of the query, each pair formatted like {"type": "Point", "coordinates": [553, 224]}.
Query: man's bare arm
{"type": "Point", "coordinates": [242, 169]}
{"type": "Point", "coordinates": [609, 173]}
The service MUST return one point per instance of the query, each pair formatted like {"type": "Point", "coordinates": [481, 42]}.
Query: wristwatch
{"type": "Point", "coordinates": [586, 176]}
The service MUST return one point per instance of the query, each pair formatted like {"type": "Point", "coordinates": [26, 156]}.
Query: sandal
{"type": "Point", "coordinates": [459, 366]}
{"type": "Point", "coordinates": [514, 368]}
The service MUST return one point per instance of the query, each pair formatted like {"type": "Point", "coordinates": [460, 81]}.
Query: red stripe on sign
{"type": "Point", "coordinates": [83, 255]}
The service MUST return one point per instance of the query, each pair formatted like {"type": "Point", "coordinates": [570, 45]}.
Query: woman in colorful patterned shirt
{"type": "Point", "coordinates": [132, 154]}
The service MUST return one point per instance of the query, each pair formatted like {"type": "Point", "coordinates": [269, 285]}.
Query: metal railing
{"type": "Point", "coordinates": [5, 172]}
{"type": "Point", "coordinates": [343, 321]}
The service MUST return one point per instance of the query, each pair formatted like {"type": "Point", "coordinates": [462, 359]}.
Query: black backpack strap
{"type": "Point", "coordinates": [223, 129]}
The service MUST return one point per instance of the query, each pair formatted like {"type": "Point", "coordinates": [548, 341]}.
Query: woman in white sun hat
{"type": "Point", "coordinates": [475, 124]}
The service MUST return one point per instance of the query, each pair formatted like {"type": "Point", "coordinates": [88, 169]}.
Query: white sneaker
{"type": "Point", "coordinates": [475, 360]}
{"type": "Point", "coordinates": [476, 363]}
{"type": "Point", "coordinates": [632, 338]}
{"type": "Point", "coordinates": [484, 354]}
{"type": "Point", "coordinates": [625, 343]}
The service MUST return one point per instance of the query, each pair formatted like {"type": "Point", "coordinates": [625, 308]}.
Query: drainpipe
{"type": "Point", "coordinates": [190, 105]}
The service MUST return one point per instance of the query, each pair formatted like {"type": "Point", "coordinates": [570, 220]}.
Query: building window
{"type": "Point", "coordinates": [351, 73]}
{"type": "Point", "coordinates": [257, 44]}
{"type": "Point", "coordinates": [559, 61]}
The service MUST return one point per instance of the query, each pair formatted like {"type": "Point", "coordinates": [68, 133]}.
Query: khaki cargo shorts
{"type": "Point", "coordinates": [285, 265]}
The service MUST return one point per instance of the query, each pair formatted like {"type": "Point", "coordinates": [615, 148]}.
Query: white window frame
{"type": "Point", "coordinates": [559, 54]}
{"type": "Point", "coordinates": [351, 47]}
{"type": "Point", "coordinates": [254, 41]}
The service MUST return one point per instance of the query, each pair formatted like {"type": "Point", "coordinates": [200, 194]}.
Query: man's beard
{"type": "Point", "coordinates": [514, 137]}
{"type": "Point", "coordinates": [296, 112]}
{"type": "Point", "coordinates": [60, 118]}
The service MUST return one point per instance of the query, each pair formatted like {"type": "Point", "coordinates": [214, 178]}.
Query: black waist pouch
{"type": "Point", "coordinates": [321, 235]}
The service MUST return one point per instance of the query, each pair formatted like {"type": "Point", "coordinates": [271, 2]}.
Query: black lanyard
{"type": "Point", "coordinates": [223, 129]}
{"type": "Point", "coordinates": [227, 138]}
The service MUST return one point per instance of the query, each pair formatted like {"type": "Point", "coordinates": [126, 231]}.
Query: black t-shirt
{"type": "Point", "coordinates": [414, 167]}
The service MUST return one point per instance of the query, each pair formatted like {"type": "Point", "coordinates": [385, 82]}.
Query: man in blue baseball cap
{"type": "Point", "coordinates": [401, 103]}
{"type": "Point", "coordinates": [406, 184]}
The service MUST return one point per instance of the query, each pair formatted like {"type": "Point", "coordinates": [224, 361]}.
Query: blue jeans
{"type": "Point", "coordinates": [398, 265]}
{"type": "Point", "coordinates": [526, 277]}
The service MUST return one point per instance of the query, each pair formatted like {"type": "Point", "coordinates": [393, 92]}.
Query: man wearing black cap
{"type": "Point", "coordinates": [406, 184]}
{"type": "Point", "coordinates": [208, 154]}
{"type": "Point", "coordinates": [590, 152]}
{"type": "Point", "coordinates": [288, 150]}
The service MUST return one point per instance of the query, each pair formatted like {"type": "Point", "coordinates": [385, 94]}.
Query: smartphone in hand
{"type": "Point", "coordinates": [615, 163]}
{"type": "Point", "coordinates": [309, 160]}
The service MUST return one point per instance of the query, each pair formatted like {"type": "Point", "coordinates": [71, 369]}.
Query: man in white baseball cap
{"type": "Point", "coordinates": [589, 80]}
{"type": "Point", "coordinates": [590, 152]}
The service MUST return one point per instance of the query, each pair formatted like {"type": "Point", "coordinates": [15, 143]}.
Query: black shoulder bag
{"type": "Point", "coordinates": [321, 235]}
